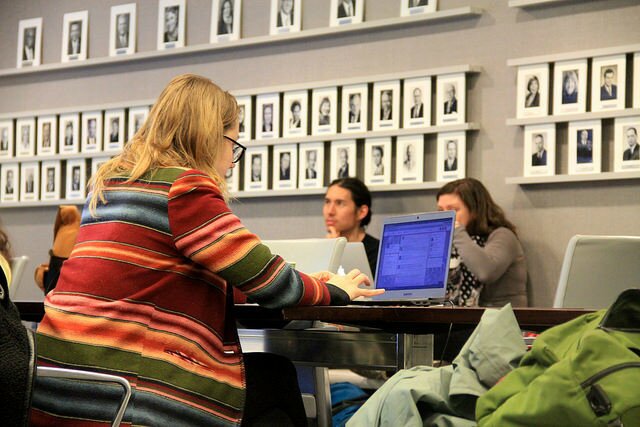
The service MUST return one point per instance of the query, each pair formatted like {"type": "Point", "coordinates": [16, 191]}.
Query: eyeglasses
{"type": "Point", "coordinates": [238, 149]}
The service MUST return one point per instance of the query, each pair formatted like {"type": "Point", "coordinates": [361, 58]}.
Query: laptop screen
{"type": "Point", "coordinates": [415, 254]}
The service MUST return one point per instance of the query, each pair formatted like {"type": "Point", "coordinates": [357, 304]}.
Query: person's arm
{"type": "Point", "coordinates": [490, 262]}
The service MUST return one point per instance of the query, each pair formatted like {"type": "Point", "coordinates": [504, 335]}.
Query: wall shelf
{"type": "Point", "coordinates": [590, 53]}
{"type": "Point", "coordinates": [535, 3]}
{"type": "Point", "coordinates": [439, 16]}
{"type": "Point", "coordinates": [59, 156]}
{"type": "Point", "coordinates": [574, 117]}
{"type": "Point", "coordinates": [603, 176]}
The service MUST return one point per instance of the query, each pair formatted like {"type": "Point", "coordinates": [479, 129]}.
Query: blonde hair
{"type": "Point", "coordinates": [185, 128]}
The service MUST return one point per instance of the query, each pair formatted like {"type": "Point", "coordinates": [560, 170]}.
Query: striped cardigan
{"type": "Point", "coordinates": [145, 295]}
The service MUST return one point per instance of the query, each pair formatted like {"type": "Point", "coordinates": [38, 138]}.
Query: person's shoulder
{"type": "Point", "coordinates": [369, 239]}
{"type": "Point", "coordinates": [503, 233]}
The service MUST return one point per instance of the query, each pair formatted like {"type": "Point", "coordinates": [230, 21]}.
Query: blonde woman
{"type": "Point", "coordinates": [147, 292]}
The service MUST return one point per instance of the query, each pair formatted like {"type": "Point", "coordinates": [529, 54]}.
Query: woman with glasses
{"type": "Point", "coordinates": [147, 292]}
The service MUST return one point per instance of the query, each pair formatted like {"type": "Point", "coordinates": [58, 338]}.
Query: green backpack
{"type": "Point", "coordinates": [585, 372]}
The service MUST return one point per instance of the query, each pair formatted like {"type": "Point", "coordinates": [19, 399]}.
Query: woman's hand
{"type": "Point", "coordinates": [350, 283]}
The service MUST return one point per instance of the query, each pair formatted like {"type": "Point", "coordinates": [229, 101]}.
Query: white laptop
{"type": "Point", "coordinates": [413, 260]}
{"type": "Point", "coordinates": [355, 256]}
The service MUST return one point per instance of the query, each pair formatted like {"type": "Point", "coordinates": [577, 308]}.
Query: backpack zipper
{"type": "Point", "coordinates": [589, 381]}
{"type": "Point", "coordinates": [597, 397]}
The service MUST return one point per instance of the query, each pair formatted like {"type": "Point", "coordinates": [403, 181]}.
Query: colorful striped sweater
{"type": "Point", "coordinates": [145, 295]}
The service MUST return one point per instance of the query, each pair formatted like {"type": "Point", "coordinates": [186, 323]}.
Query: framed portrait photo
{"type": "Point", "coordinates": [417, 7]}
{"type": "Point", "coordinates": [256, 168]}
{"type": "Point", "coordinates": [636, 80]}
{"type": "Point", "coordinates": [244, 117]}
{"type": "Point", "coordinates": [355, 108]}
{"type": "Point", "coordinates": [570, 87]}
{"type": "Point", "coordinates": [585, 142]}
{"type": "Point", "coordinates": [627, 144]}
{"type": "Point", "coordinates": [29, 43]}
{"type": "Point", "coordinates": [225, 20]}
{"type": "Point", "coordinates": [122, 33]}
{"type": "Point", "coordinates": [26, 137]}
{"type": "Point", "coordinates": [47, 134]}
{"type": "Point", "coordinates": [409, 159]}
{"type": "Point", "coordinates": [171, 23]}
{"type": "Point", "coordinates": [324, 111]}
{"type": "Point", "coordinates": [91, 131]}
{"type": "Point", "coordinates": [74, 36]}
{"type": "Point", "coordinates": [29, 181]}
{"type": "Point", "coordinates": [533, 91]}
{"type": "Point", "coordinates": [295, 113]}
{"type": "Point", "coordinates": [51, 178]}
{"type": "Point", "coordinates": [69, 133]}
{"type": "Point", "coordinates": [96, 162]}
{"type": "Point", "coordinates": [417, 102]}
{"type": "Point", "coordinates": [285, 16]}
{"type": "Point", "coordinates": [114, 130]}
{"type": "Point", "coordinates": [451, 103]}
{"type": "Point", "coordinates": [137, 117]}
{"type": "Point", "coordinates": [346, 12]}
{"type": "Point", "coordinates": [540, 150]}
{"type": "Point", "coordinates": [76, 179]}
{"type": "Point", "coordinates": [267, 116]}
{"type": "Point", "coordinates": [377, 161]}
{"type": "Point", "coordinates": [311, 165]}
{"type": "Point", "coordinates": [608, 75]}
{"type": "Point", "coordinates": [9, 182]}
{"type": "Point", "coordinates": [285, 166]}
{"type": "Point", "coordinates": [6, 139]}
{"type": "Point", "coordinates": [386, 105]}
{"type": "Point", "coordinates": [451, 155]}
{"type": "Point", "coordinates": [343, 159]}
{"type": "Point", "coordinates": [232, 178]}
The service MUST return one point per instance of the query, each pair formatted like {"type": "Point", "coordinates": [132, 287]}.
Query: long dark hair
{"type": "Point", "coordinates": [359, 193]}
{"type": "Point", "coordinates": [485, 214]}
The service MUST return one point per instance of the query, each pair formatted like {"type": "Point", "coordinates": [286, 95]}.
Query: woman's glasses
{"type": "Point", "coordinates": [238, 149]}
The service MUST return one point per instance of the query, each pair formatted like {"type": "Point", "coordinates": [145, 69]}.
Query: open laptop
{"type": "Point", "coordinates": [413, 260]}
{"type": "Point", "coordinates": [355, 256]}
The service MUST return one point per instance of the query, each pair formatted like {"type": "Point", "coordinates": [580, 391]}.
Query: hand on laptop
{"type": "Point", "coordinates": [351, 284]}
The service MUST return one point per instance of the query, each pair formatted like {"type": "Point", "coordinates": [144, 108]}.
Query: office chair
{"type": "Point", "coordinates": [596, 269]}
{"type": "Point", "coordinates": [18, 265]}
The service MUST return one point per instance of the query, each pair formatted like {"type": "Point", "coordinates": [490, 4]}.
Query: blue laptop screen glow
{"type": "Point", "coordinates": [414, 253]}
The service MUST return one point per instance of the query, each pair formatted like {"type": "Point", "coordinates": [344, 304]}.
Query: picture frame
{"type": "Point", "coordinates": [76, 179]}
{"type": "Point", "coordinates": [377, 161]}
{"type": "Point", "coordinates": [29, 43]}
{"type": "Point", "coordinates": [25, 137]}
{"type": "Point", "coordinates": [91, 131]}
{"type": "Point", "coordinates": [226, 18]}
{"type": "Point", "coordinates": [324, 111]}
{"type": "Point", "coordinates": [451, 92]}
{"type": "Point", "coordinates": [626, 149]}
{"type": "Point", "coordinates": [51, 179]}
{"type": "Point", "coordinates": [29, 181]}
{"type": "Point", "coordinates": [285, 166]}
{"type": "Point", "coordinates": [585, 147]}
{"type": "Point", "coordinates": [343, 159]}
{"type": "Point", "coordinates": [311, 171]}
{"type": "Point", "coordinates": [532, 95]}
{"type": "Point", "coordinates": [9, 182]}
{"type": "Point", "coordinates": [137, 117]}
{"type": "Point", "coordinates": [96, 162]}
{"type": "Point", "coordinates": [355, 108]}
{"type": "Point", "coordinates": [114, 127]}
{"type": "Point", "coordinates": [47, 138]}
{"type": "Point", "coordinates": [416, 102]}
{"type": "Point", "coordinates": [267, 116]}
{"type": "Point", "coordinates": [295, 113]}
{"type": "Point", "coordinates": [570, 87]}
{"type": "Point", "coordinates": [69, 133]}
{"type": "Point", "coordinates": [245, 118]}
{"type": "Point", "coordinates": [346, 12]}
{"type": "Point", "coordinates": [386, 105]}
{"type": "Point", "coordinates": [286, 16]}
{"type": "Point", "coordinates": [409, 159]}
{"type": "Point", "coordinates": [171, 24]}
{"type": "Point", "coordinates": [6, 139]}
{"type": "Point", "coordinates": [417, 7]}
{"type": "Point", "coordinates": [636, 80]}
{"type": "Point", "coordinates": [451, 156]}
{"type": "Point", "coordinates": [74, 36]}
{"type": "Point", "coordinates": [608, 82]}
{"type": "Point", "coordinates": [122, 30]}
{"type": "Point", "coordinates": [256, 168]}
{"type": "Point", "coordinates": [540, 150]}
{"type": "Point", "coordinates": [232, 178]}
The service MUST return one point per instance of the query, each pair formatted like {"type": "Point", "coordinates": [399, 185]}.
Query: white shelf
{"type": "Point", "coordinates": [603, 176]}
{"type": "Point", "coordinates": [628, 112]}
{"type": "Point", "coordinates": [533, 3]}
{"type": "Point", "coordinates": [59, 156]}
{"type": "Point", "coordinates": [590, 53]}
{"type": "Point", "coordinates": [443, 15]}
{"type": "Point", "coordinates": [38, 203]}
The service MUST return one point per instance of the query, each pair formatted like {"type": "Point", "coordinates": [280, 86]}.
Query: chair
{"type": "Point", "coordinates": [310, 255]}
{"type": "Point", "coordinates": [596, 269]}
{"type": "Point", "coordinates": [17, 269]}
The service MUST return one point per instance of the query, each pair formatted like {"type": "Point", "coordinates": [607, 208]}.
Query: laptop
{"type": "Point", "coordinates": [413, 260]}
{"type": "Point", "coordinates": [355, 256]}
